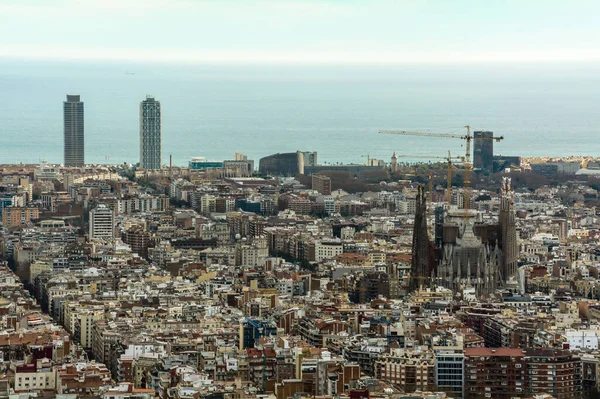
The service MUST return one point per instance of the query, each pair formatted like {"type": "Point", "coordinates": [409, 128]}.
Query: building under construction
{"type": "Point", "coordinates": [421, 269]}
{"type": "Point", "coordinates": [474, 254]}
{"type": "Point", "coordinates": [469, 252]}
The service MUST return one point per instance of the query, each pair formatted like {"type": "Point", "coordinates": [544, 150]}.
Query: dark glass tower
{"type": "Point", "coordinates": [73, 122]}
{"type": "Point", "coordinates": [483, 156]}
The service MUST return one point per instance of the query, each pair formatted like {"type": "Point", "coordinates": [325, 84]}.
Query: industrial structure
{"type": "Point", "coordinates": [469, 254]}
{"type": "Point", "coordinates": [448, 159]}
{"type": "Point", "coordinates": [468, 165]}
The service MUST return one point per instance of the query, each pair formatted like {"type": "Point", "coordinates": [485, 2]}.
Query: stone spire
{"type": "Point", "coordinates": [420, 246]}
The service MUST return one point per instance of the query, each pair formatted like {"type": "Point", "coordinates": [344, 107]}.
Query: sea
{"type": "Point", "coordinates": [214, 110]}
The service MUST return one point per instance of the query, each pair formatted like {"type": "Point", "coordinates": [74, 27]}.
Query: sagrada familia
{"type": "Point", "coordinates": [466, 252]}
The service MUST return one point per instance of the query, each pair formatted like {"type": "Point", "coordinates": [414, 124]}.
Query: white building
{"type": "Point", "coordinates": [328, 250]}
{"type": "Point", "coordinates": [582, 339]}
{"type": "Point", "coordinates": [38, 376]}
{"type": "Point", "coordinates": [102, 222]}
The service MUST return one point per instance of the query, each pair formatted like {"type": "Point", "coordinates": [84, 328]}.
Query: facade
{"type": "Point", "coordinates": [138, 239]}
{"type": "Point", "coordinates": [479, 255]}
{"type": "Point", "coordinates": [449, 366]}
{"type": "Point", "coordinates": [483, 151]}
{"type": "Point", "coordinates": [200, 163]}
{"type": "Point", "coordinates": [150, 134]}
{"type": "Point", "coordinates": [288, 164]}
{"type": "Point", "coordinates": [322, 184]}
{"type": "Point", "coordinates": [553, 169]}
{"type": "Point", "coordinates": [470, 258]}
{"type": "Point", "coordinates": [309, 158]}
{"type": "Point", "coordinates": [19, 215]}
{"type": "Point", "coordinates": [409, 368]}
{"type": "Point", "coordinates": [35, 376]}
{"type": "Point", "coordinates": [328, 250]}
{"type": "Point", "coordinates": [251, 330]}
{"type": "Point", "coordinates": [143, 203]}
{"type": "Point", "coordinates": [102, 222]}
{"type": "Point", "coordinates": [73, 131]}
{"type": "Point", "coordinates": [509, 373]}
{"type": "Point", "coordinates": [238, 167]}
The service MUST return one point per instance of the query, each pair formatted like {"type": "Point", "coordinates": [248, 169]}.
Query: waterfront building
{"type": "Point", "coordinates": [198, 163]}
{"type": "Point", "coordinates": [483, 151]}
{"type": "Point", "coordinates": [150, 134]}
{"type": "Point", "coordinates": [73, 131]}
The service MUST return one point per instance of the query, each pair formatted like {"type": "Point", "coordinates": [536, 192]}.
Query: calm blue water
{"type": "Point", "coordinates": [214, 111]}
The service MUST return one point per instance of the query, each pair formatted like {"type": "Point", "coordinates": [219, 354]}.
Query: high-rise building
{"type": "Point", "coordinates": [102, 222]}
{"type": "Point", "coordinates": [483, 154]}
{"type": "Point", "coordinates": [150, 134]}
{"type": "Point", "coordinates": [73, 123]}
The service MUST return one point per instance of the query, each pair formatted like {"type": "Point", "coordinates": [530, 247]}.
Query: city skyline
{"type": "Point", "coordinates": [359, 199]}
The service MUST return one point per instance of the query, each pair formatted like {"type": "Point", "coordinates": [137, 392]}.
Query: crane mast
{"type": "Point", "coordinates": [448, 159]}
{"type": "Point", "coordinates": [468, 165]}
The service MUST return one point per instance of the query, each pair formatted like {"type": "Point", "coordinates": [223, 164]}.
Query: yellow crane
{"type": "Point", "coordinates": [448, 159]}
{"type": "Point", "coordinates": [467, 137]}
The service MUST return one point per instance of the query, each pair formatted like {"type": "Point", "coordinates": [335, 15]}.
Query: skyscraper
{"type": "Point", "coordinates": [73, 122]}
{"type": "Point", "coordinates": [150, 133]}
{"type": "Point", "coordinates": [483, 154]}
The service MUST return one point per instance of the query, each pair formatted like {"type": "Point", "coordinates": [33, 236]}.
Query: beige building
{"type": "Point", "coordinates": [37, 268]}
{"type": "Point", "coordinates": [19, 215]}
{"type": "Point", "coordinates": [322, 184]}
{"type": "Point", "coordinates": [38, 376]}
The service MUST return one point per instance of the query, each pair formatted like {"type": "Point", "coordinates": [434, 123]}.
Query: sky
{"type": "Point", "coordinates": [302, 31]}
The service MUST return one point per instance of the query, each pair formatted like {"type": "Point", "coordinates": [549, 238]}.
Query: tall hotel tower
{"type": "Point", "coordinates": [150, 134]}
{"type": "Point", "coordinates": [73, 121]}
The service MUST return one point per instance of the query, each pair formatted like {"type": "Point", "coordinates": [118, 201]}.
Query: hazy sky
{"type": "Point", "coordinates": [296, 31]}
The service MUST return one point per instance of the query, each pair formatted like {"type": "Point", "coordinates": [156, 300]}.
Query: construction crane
{"type": "Point", "coordinates": [448, 159]}
{"type": "Point", "coordinates": [467, 137]}
{"type": "Point", "coordinates": [368, 156]}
